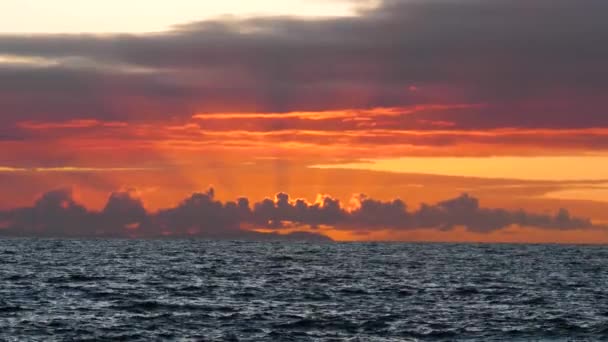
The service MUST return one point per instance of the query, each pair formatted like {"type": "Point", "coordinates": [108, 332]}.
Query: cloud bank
{"type": "Point", "coordinates": [521, 57]}
{"type": "Point", "coordinates": [437, 77]}
{"type": "Point", "coordinates": [57, 214]}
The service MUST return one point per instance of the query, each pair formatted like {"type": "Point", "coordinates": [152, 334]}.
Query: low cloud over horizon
{"type": "Point", "coordinates": [57, 214]}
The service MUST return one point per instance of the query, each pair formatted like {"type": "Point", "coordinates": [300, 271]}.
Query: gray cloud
{"type": "Point", "coordinates": [507, 53]}
{"type": "Point", "coordinates": [57, 214]}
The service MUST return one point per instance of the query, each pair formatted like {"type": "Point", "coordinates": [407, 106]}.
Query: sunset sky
{"type": "Point", "coordinates": [121, 111]}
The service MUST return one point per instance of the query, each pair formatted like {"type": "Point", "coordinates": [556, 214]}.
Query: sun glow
{"type": "Point", "coordinates": [524, 168]}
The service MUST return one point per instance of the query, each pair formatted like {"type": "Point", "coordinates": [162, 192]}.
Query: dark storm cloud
{"type": "Point", "coordinates": [57, 214]}
{"type": "Point", "coordinates": [501, 52]}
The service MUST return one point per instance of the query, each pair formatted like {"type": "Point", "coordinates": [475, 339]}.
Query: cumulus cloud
{"type": "Point", "coordinates": [56, 213]}
{"type": "Point", "coordinates": [521, 57]}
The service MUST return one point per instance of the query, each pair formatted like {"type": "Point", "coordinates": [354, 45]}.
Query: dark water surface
{"type": "Point", "coordinates": [230, 291]}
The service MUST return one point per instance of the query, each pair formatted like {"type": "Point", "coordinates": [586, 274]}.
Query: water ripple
{"type": "Point", "coordinates": [121, 290]}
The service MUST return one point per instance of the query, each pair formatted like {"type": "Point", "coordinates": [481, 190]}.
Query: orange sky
{"type": "Point", "coordinates": [165, 186]}
{"type": "Point", "coordinates": [338, 98]}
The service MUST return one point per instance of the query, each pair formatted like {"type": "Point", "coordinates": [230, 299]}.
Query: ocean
{"type": "Point", "coordinates": [194, 290]}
